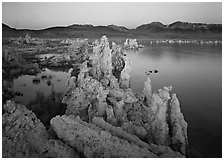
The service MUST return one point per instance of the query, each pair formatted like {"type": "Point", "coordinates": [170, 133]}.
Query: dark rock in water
{"type": "Point", "coordinates": [150, 71]}
{"type": "Point", "coordinates": [18, 94]}
{"type": "Point", "coordinates": [36, 80]}
{"type": "Point", "coordinates": [44, 77]}
{"type": "Point", "coordinates": [48, 82]}
{"type": "Point", "coordinates": [31, 72]}
{"type": "Point", "coordinates": [156, 71]}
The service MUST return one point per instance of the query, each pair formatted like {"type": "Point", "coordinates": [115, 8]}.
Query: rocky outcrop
{"type": "Point", "coordinates": [27, 39]}
{"type": "Point", "coordinates": [104, 118]}
{"type": "Point", "coordinates": [76, 53]}
{"type": "Point", "coordinates": [178, 125]}
{"type": "Point", "coordinates": [100, 92]}
{"type": "Point", "coordinates": [23, 135]}
{"type": "Point", "coordinates": [93, 141]}
{"type": "Point", "coordinates": [166, 124]}
{"type": "Point", "coordinates": [118, 61]}
{"type": "Point", "coordinates": [125, 76]}
{"type": "Point", "coordinates": [105, 140]}
{"type": "Point", "coordinates": [147, 91]}
{"type": "Point", "coordinates": [78, 50]}
{"type": "Point", "coordinates": [131, 43]}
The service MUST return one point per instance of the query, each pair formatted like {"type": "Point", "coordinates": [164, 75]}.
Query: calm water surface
{"type": "Point", "coordinates": [195, 72]}
{"type": "Point", "coordinates": [25, 85]}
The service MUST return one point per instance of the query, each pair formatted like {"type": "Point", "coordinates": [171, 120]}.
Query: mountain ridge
{"type": "Point", "coordinates": [90, 30]}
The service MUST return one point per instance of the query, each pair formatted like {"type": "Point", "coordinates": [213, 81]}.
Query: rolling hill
{"type": "Point", "coordinates": [150, 30]}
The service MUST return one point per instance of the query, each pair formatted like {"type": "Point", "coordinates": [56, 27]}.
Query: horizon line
{"type": "Point", "coordinates": [106, 25]}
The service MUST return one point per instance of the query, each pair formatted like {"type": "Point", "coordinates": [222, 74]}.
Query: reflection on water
{"type": "Point", "coordinates": [29, 85]}
{"type": "Point", "coordinates": [195, 72]}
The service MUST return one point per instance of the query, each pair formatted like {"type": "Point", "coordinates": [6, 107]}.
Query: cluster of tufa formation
{"type": "Point", "coordinates": [102, 91]}
{"type": "Point", "coordinates": [76, 52]}
{"type": "Point", "coordinates": [132, 44]}
{"type": "Point", "coordinates": [104, 118]}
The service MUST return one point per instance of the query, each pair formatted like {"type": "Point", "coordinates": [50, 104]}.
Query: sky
{"type": "Point", "coordinates": [40, 15]}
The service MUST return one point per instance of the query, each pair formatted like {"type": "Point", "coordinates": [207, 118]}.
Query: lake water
{"type": "Point", "coordinates": [195, 72]}
{"type": "Point", "coordinates": [25, 85]}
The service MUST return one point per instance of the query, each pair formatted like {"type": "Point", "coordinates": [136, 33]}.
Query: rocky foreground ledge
{"type": "Point", "coordinates": [104, 118]}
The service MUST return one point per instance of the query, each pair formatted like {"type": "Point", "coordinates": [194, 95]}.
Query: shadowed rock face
{"type": "Point", "coordinates": [104, 118]}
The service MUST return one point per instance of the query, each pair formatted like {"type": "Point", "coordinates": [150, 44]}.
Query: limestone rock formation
{"type": "Point", "coordinates": [100, 92]}
{"type": "Point", "coordinates": [125, 77]}
{"type": "Point", "coordinates": [102, 60]}
{"type": "Point", "coordinates": [179, 138]}
{"type": "Point", "coordinates": [27, 39]}
{"type": "Point", "coordinates": [96, 82]}
{"type": "Point", "coordinates": [131, 44]}
{"type": "Point", "coordinates": [118, 61]}
{"type": "Point", "coordinates": [166, 123]}
{"type": "Point", "coordinates": [23, 135]}
{"type": "Point", "coordinates": [78, 50]}
{"type": "Point", "coordinates": [93, 141]}
{"type": "Point", "coordinates": [147, 91]}
{"type": "Point", "coordinates": [104, 118]}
